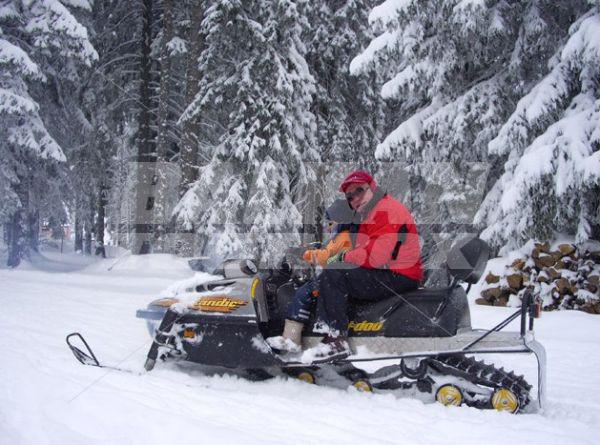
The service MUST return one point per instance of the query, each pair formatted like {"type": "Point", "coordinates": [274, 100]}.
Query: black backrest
{"type": "Point", "coordinates": [467, 259]}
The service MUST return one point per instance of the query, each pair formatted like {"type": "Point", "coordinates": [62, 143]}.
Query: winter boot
{"type": "Point", "coordinates": [291, 339]}
{"type": "Point", "coordinates": [330, 349]}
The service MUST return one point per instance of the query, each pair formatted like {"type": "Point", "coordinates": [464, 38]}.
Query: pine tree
{"type": "Point", "coordinates": [42, 45]}
{"type": "Point", "coordinates": [551, 180]}
{"type": "Point", "coordinates": [255, 78]}
{"type": "Point", "coordinates": [189, 140]}
{"type": "Point", "coordinates": [146, 148]}
{"type": "Point", "coordinates": [100, 156]}
{"type": "Point", "coordinates": [455, 71]}
{"type": "Point", "coordinates": [164, 124]}
{"type": "Point", "coordinates": [190, 129]}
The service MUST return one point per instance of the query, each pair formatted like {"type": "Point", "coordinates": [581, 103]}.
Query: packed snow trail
{"type": "Point", "coordinates": [46, 397]}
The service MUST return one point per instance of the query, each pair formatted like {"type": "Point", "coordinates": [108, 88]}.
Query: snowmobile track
{"type": "Point", "coordinates": [481, 373]}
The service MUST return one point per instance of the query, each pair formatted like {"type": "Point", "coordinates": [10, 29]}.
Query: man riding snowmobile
{"type": "Point", "coordinates": [384, 262]}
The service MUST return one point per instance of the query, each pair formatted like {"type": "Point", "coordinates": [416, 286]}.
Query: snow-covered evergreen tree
{"type": "Point", "coordinates": [41, 45]}
{"type": "Point", "coordinates": [255, 81]}
{"type": "Point", "coordinates": [188, 157]}
{"type": "Point", "coordinates": [551, 180]}
{"type": "Point", "coordinates": [106, 97]}
{"type": "Point", "coordinates": [455, 71]}
{"type": "Point", "coordinates": [348, 108]}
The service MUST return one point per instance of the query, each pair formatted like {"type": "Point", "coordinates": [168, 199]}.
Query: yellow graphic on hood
{"type": "Point", "coordinates": [218, 303]}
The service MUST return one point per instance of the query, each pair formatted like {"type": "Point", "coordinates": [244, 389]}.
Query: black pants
{"type": "Point", "coordinates": [339, 281]}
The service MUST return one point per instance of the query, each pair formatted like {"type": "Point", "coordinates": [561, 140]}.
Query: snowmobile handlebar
{"type": "Point", "coordinates": [299, 270]}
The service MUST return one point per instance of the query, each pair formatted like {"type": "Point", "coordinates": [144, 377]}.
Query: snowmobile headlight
{"type": "Point", "coordinates": [165, 302]}
{"type": "Point", "coordinates": [255, 283]}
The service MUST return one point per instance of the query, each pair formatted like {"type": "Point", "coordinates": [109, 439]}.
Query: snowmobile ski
{"type": "Point", "coordinates": [88, 357]}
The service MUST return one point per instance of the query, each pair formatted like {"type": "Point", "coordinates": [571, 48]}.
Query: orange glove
{"type": "Point", "coordinates": [312, 256]}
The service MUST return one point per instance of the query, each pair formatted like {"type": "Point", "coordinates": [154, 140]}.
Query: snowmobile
{"type": "Point", "coordinates": [419, 341]}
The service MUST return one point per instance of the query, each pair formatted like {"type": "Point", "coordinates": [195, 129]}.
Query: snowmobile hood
{"type": "Point", "coordinates": [218, 297]}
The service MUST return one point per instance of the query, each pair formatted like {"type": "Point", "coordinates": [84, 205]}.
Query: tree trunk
{"type": "Point", "coordinates": [313, 210]}
{"type": "Point", "coordinates": [189, 150]}
{"type": "Point", "coordinates": [87, 240]}
{"type": "Point", "coordinates": [100, 221]}
{"type": "Point", "coordinates": [88, 228]}
{"type": "Point", "coordinates": [18, 227]}
{"type": "Point", "coordinates": [188, 157]}
{"type": "Point", "coordinates": [17, 245]}
{"type": "Point", "coordinates": [33, 231]}
{"type": "Point", "coordinates": [78, 231]}
{"type": "Point", "coordinates": [145, 158]}
{"type": "Point", "coordinates": [160, 217]}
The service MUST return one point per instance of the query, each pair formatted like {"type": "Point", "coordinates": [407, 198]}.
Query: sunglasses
{"type": "Point", "coordinates": [356, 193]}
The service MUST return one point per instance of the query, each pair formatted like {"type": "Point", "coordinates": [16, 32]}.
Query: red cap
{"type": "Point", "coordinates": [357, 177]}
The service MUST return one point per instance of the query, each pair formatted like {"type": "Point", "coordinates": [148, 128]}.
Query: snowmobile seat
{"type": "Point", "coordinates": [420, 313]}
{"type": "Point", "coordinates": [424, 312]}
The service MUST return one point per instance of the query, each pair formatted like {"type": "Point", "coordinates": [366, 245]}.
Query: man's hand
{"type": "Point", "coordinates": [339, 257]}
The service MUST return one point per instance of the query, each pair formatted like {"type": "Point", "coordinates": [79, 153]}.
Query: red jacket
{"type": "Point", "coordinates": [377, 239]}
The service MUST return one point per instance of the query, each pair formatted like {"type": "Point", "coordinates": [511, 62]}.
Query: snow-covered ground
{"type": "Point", "coordinates": [46, 397]}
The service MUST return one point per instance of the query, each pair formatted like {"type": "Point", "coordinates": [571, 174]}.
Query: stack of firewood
{"type": "Point", "coordinates": [564, 278]}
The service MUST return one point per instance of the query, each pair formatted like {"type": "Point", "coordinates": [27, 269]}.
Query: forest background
{"type": "Point", "coordinates": [222, 127]}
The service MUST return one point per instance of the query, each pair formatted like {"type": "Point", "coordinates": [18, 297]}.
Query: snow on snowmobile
{"type": "Point", "coordinates": [419, 341]}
